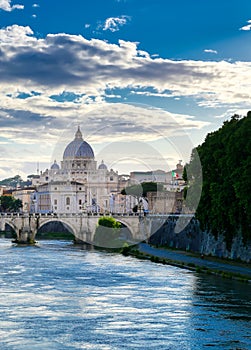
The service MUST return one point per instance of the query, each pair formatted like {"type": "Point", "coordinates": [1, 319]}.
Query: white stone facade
{"type": "Point", "coordinates": [78, 184]}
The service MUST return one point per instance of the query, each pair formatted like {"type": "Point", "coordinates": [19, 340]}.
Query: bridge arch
{"type": "Point", "coordinates": [11, 225]}
{"type": "Point", "coordinates": [125, 226]}
{"type": "Point", "coordinates": [66, 224]}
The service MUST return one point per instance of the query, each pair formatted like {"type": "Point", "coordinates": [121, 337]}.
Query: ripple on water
{"type": "Point", "coordinates": [63, 297]}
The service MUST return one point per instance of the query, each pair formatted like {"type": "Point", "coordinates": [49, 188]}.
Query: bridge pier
{"type": "Point", "coordinates": [25, 236]}
{"type": "Point", "coordinates": [84, 237]}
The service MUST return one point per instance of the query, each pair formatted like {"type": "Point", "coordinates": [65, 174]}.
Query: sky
{"type": "Point", "coordinates": [146, 81]}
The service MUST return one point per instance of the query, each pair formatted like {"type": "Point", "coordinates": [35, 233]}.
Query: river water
{"type": "Point", "coordinates": [59, 296]}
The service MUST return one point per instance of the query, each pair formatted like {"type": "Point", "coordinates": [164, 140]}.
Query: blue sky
{"type": "Point", "coordinates": [160, 73]}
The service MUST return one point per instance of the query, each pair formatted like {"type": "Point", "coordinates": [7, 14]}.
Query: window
{"type": "Point", "coordinates": [55, 208]}
{"type": "Point", "coordinates": [55, 188]}
{"type": "Point", "coordinates": [80, 188]}
{"type": "Point", "coordinates": [111, 178]}
{"type": "Point", "coordinates": [55, 201]}
{"type": "Point", "coordinates": [68, 201]}
{"type": "Point", "coordinates": [80, 201]}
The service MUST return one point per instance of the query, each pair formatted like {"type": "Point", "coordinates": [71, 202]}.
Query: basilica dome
{"type": "Point", "coordinates": [55, 166]}
{"type": "Point", "coordinates": [102, 166]}
{"type": "Point", "coordinates": [78, 148]}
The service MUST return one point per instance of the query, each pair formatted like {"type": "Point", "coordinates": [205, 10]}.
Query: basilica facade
{"type": "Point", "coordinates": [77, 184]}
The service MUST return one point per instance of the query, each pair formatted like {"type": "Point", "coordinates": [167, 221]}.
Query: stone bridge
{"type": "Point", "coordinates": [83, 226]}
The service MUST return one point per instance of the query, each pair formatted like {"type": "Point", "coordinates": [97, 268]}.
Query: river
{"type": "Point", "coordinates": [60, 296]}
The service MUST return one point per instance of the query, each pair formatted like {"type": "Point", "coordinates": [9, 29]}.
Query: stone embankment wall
{"type": "Point", "coordinates": [193, 239]}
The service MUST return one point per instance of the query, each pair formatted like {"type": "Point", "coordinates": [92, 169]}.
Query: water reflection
{"type": "Point", "coordinates": [63, 297]}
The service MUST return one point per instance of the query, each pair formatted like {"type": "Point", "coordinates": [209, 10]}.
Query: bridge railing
{"type": "Point", "coordinates": [58, 215]}
{"type": "Point", "coordinates": [10, 214]}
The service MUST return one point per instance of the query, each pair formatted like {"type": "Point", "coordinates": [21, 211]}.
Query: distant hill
{"type": "Point", "coordinates": [14, 182]}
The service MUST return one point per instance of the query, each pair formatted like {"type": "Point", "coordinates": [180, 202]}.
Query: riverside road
{"type": "Point", "coordinates": [186, 258]}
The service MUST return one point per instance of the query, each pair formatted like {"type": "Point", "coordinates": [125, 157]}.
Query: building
{"type": "Point", "coordinates": [76, 185]}
{"type": "Point", "coordinates": [166, 202]}
{"type": "Point", "coordinates": [148, 176]}
{"type": "Point", "coordinates": [159, 176]}
{"type": "Point", "coordinates": [25, 195]}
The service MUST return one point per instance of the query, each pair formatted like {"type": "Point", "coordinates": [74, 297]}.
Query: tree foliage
{"type": "Point", "coordinates": [225, 156]}
{"type": "Point", "coordinates": [14, 182]}
{"type": "Point", "coordinates": [141, 190]}
{"type": "Point", "coordinates": [10, 204]}
{"type": "Point", "coordinates": [192, 174]}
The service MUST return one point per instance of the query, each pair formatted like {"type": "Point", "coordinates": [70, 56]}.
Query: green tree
{"type": "Point", "coordinates": [10, 204]}
{"type": "Point", "coordinates": [192, 174]}
{"type": "Point", "coordinates": [184, 175]}
{"type": "Point", "coordinates": [225, 156]}
{"type": "Point", "coordinates": [141, 190]}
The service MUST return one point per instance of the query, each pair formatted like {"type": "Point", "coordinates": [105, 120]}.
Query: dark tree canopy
{"type": "Point", "coordinates": [141, 190]}
{"type": "Point", "coordinates": [225, 156]}
{"type": "Point", "coordinates": [10, 204]}
{"type": "Point", "coordinates": [14, 181]}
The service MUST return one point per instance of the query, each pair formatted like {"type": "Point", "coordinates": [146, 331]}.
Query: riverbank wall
{"type": "Point", "coordinates": [193, 239]}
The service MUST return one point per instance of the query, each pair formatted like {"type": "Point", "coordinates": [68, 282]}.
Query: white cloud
{"type": "Point", "coordinates": [230, 112]}
{"type": "Point", "coordinates": [114, 23]}
{"type": "Point", "coordinates": [87, 25]}
{"type": "Point", "coordinates": [35, 5]}
{"type": "Point", "coordinates": [5, 5]}
{"type": "Point", "coordinates": [246, 27]}
{"type": "Point", "coordinates": [153, 94]}
{"type": "Point", "coordinates": [101, 122]}
{"type": "Point", "coordinates": [90, 70]}
{"type": "Point", "coordinates": [34, 16]}
{"type": "Point", "coordinates": [210, 51]}
{"type": "Point", "coordinates": [96, 65]}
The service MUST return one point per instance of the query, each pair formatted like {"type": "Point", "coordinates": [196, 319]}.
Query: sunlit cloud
{"type": "Point", "coordinates": [210, 51]}
{"type": "Point", "coordinates": [247, 26]}
{"type": "Point", "coordinates": [49, 84]}
{"type": "Point", "coordinates": [5, 5]}
{"type": "Point", "coordinates": [96, 65]}
{"type": "Point", "coordinates": [115, 23]}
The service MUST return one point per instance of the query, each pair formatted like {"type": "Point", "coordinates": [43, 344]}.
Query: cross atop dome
{"type": "Point", "coordinates": [78, 135]}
